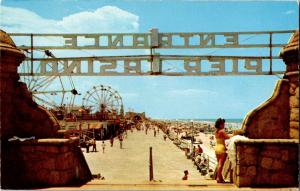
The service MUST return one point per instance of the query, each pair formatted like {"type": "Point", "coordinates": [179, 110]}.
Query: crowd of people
{"type": "Point", "coordinates": [92, 142]}
{"type": "Point", "coordinates": [120, 135]}
{"type": "Point", "coordinates": [201, 160]}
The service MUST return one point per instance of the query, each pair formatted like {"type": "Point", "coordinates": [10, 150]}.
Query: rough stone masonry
{"type": "Point", "coordinates": [270, 156]}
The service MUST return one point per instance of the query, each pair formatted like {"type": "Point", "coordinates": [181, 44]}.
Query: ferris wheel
{"type": "Point", "coordinates": [103, 99]}
{"type": "Point", "coordinates": [54, 92]}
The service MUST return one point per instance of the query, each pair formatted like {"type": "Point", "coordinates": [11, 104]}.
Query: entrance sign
{"type": "Point", "coordinates": [155, 63]}
{"type": "Point", "coordinates": [142, 65]}
{"type": "Point", "coordinates": [149, 40]}
{"type": "Point", "coordinates": [144, 41]}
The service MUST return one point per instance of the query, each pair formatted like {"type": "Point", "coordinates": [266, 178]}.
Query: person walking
{"type": "Point", "coordinates": [154, 133]}
{"type": "Point", "coordinates": [103, 146]}
{"type": "Point", "coordinates": [111, 140]}
{"type": "Point", "coordinates": [87, 145]}
{"type": "Point", "coordinates": [94, 145]}
{"type": "Point", "coordinates": [165, 137]}
{"type": "Point", "coordinates": [121, 141]}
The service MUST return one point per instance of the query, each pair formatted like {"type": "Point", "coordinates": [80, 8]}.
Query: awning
{"type": "Point", "coordinates": [96, 126]}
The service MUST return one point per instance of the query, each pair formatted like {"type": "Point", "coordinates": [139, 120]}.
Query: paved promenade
{"type": "Point", "coordinates": [131, 164]}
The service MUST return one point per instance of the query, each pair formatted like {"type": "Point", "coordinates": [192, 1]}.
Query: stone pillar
{"type": "Point", "coordinates": [9, 61]}
{"type": "Point", "coordinates": [20, 115]}
{"type": "Point", "coordinates": [290, 55]}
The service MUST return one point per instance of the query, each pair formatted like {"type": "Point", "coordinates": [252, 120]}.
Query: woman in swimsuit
{"type": "Point", "coordinates": [220, 148]}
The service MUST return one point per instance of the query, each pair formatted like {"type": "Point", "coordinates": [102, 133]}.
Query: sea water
{"type": "Point", "coordinates": [230, 123]}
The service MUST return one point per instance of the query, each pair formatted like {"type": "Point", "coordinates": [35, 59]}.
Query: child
{"type": "Point", "coordinates": [186, 173]}
{"type": "Point", "coordinates": [111, 140]}
{"type": "Point", "coordinates": [121, 140]}
{"type": "Point", "coordinates": [94, 145]}
{"type": "Point", "coordinates": [103, 146]}
{"type": "Point", "coordinates": [87, 145]}
{"type": "Point", "coordinates": [165, 137]}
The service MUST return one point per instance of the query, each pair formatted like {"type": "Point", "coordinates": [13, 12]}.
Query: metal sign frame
{"type": "Point", "coordinates": [131, 65]}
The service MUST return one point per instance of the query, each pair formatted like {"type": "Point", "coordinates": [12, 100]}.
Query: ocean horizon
{"type": "Point", "coordinates": [233, 120]}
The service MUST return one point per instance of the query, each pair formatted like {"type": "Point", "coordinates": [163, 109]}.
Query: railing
{"type": "Point", "coordinates": [212, 161]}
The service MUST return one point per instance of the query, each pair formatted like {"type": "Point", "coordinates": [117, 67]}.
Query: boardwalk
{"type": "Point", "coordinates": [131, 164]}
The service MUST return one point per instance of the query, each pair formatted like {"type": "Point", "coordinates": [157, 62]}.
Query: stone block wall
{"type": "Point", "coordinates": [270, 120]}
{"type": "Point", "coordinates": [294, 104]}
{"type": "Point", "coordinates": [49, 162]}
{"type": "Point", "coordinates": [290, 56]}
{"type": "Point", "coordinates": [265, 162]}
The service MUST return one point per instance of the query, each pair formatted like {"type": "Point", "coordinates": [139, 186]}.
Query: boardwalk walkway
{"type": "Point", "coordinates": [132, 162]}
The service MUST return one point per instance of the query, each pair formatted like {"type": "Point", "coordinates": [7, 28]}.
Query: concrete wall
{"type": "Point", "coordinates": [265, 162]}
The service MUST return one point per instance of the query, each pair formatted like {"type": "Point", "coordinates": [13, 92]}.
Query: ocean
{"type": "Point", "coordinates": [213, 120]}
{"type": "Point", "coordinates": [230, 123]}
{"type": "Point", "coordinates": [227, 120]}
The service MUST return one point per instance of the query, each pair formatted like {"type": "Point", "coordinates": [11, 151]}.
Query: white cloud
{"type": "Point", "coordinates": [22, 20]}
{"type": "Point", "coordinates": [107, 19]}
{"type": "Point", "coordinates": [191, 92]}
{"type": "Point", "coordinates": [102, 20]}
{"type": "Point", "coordinates": [289, 12]}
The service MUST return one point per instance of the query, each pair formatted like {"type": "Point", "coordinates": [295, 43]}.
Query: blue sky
{"type": "Point", "coordinates": [164, 97]}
